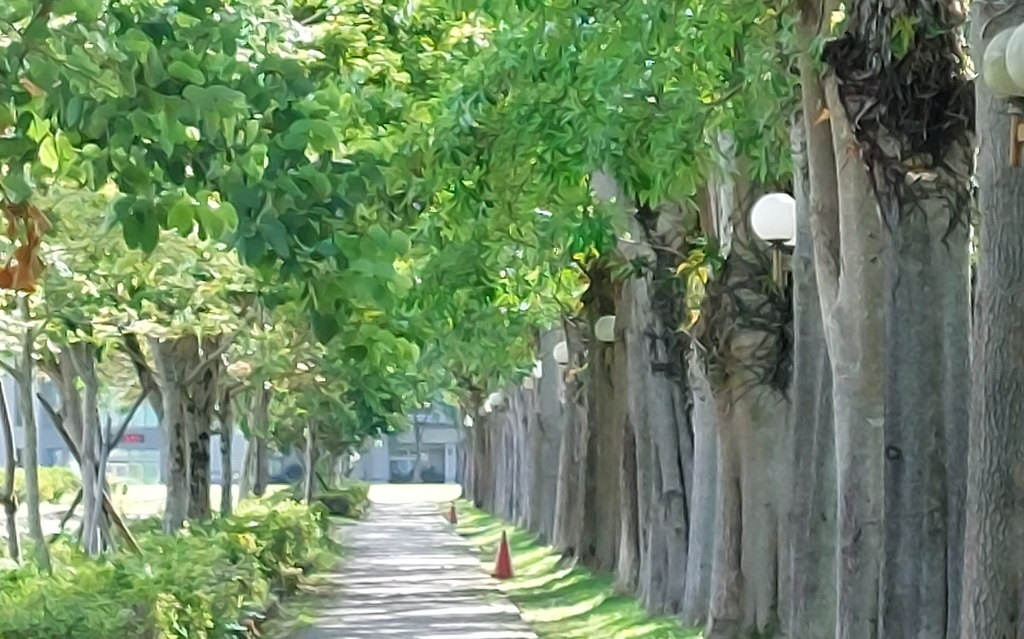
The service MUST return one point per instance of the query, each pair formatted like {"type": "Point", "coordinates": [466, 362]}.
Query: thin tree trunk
{"type": "Point", "coordinates": [572, 459]}
{"type": "Point", "coordinates": [551, 424]}
{"type": "Point", "coordinates": [309, 485]}
{"type": "Point", "coordinates": [105, 445]}
{"type": "Point", "coordinates": [84, 363]}
{"type": "Point", "coordinates": [9, 498]}
{"type": "Point", "coordinates": [203, 393]}
{"type": "Point", "coordinates": [993, 577]}
{"type": "Point", "coordinates": [417, 466]}
{"type": "Point", "coordinates": [175, 358]}
{"type": "Point", "coordinates": [812, 530]}
{"type": "Point", "coordinates": [703, 512]}
{"type": "Point", "coordinates": [30, 460]}
{"type": "Point", "coordinates": [227, 435]}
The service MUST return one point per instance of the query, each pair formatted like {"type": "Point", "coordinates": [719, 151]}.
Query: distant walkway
{"type": "Point", "coordinates": [407, 575]}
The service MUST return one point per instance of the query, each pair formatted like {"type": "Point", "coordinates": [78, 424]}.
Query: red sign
{"type": "Point", "coordinates": [133, 438]}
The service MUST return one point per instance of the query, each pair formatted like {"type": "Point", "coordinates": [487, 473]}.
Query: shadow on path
{"type": "Point", "coordinates": [407, 575]}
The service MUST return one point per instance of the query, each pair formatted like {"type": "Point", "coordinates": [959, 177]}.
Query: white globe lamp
{"type": "Point", "coordinates": [604, 328]}
{"type": "Point", "coordinates": [997, 60]}
{"type": "Point", "coordinates": [561, 353]}
{"type": "Point", "coordinates": [773, 219]}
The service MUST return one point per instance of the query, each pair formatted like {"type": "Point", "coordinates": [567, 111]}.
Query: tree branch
{"type": "Point", "coordinates": [147, 380]}
{"type": "Point", "coordinates": [228, 340]}
{"type": "Point", "coordinates": [58, 421]}
{"type": "Point", "coordinates": [10, 370]}
{"type": "Point", "coordinates": [123, 428]}
{"type": "Point", "coordinates": [108, 505]}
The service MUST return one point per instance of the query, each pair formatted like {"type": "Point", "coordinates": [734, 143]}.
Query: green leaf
{"type": "Point", "coordinates": [48, 154]}
{"type": "Point", "coordinates": [325, 327]}
{"type": "Point", "coordinates": [181, 71]}
{"type": "Point", "coordinates": [218, 222]}
{"type": "Point", "coordinates": [276, 235]}
{"type": "Point", "coordinates": [400, 242]}
{"type": "Point", "coordinates": [182, 217]}
{"type": "Point", "coordinates": [16, 187]}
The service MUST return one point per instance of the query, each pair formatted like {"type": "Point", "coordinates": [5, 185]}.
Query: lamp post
{"type": "Point", "coordinates": [773, 219]}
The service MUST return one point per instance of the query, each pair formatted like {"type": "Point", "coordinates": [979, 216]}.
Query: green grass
{"type": "Point", "coordinates": [561, 601]}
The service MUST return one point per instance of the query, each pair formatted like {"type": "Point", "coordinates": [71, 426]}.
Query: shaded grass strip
{"type": "Point", "coordinates": [557, 599]}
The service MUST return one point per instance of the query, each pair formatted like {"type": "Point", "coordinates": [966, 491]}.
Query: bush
{"type": "Point", "coordinates": [195, 585]}
{"type": "Point", "coordinates": [56, 483]}
{"type": "Point", "coordinates": [350, 499]}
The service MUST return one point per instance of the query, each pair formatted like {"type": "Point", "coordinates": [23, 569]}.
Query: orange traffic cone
{"type": "Point", "coordinates": [503, 563]}
{"type": "Point", "coordinates": [453, 516]}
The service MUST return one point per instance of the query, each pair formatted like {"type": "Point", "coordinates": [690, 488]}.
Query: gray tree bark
{"type": "Point", "coordinates": [30, 459]}
{"type": "Point", "coordinates": [202, 394]}
{"type": "Point", "coordinates": [704, 513]}
{"type": "Point", "coordinates": [573, 450]}
{"type": "Point", "coordinates": [175, 359]}
{"type": "Point", "coordinates": [226, 417]}
{"type": "Point", "coordinates": [9, 498]}
{"type": "Point", "coordinates": [918, 162]}
{"type": "Point", "coordinates": [812, 530]}
{"type": "Point", "coordinates": [599, 541]}
{"type": "Point", "coordinates": [551, 425]}
{"type": "Point", "coordinates": [993, 578]}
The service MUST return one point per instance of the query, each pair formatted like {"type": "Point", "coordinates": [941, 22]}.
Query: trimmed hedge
{"type": "Point", "coordinates": [199, 584]}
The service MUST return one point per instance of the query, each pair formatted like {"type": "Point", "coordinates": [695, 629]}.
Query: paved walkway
{"type": "Point", "coordinates": [407, 575]}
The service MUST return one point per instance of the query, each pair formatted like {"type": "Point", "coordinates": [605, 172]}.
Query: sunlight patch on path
{"type": "Point", "coordinates": [407, 575]}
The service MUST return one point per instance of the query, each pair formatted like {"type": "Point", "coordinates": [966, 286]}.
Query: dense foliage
{"type": "Point", "coordinates": [199, 584]}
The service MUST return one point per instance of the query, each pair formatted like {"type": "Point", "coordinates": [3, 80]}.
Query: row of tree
{"type": "Point", "coordinates": [420, 192]}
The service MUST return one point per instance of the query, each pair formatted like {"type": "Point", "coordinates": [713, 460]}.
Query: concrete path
{"type": "Point", "coordinates": [407, 575]}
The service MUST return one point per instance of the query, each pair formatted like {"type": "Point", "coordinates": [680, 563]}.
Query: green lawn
{"type": "Point", "coordinates": [558, 601]}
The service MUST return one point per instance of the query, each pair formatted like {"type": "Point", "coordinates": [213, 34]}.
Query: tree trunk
{"type": "Point", "coordinates": [627, 567]}
{"type": "Point", "coordinates": [203, 393]}
{"type": "Point", "coordinates": [89, 448]}
{"type": "Point", "coordinates": [660, 414]}
{"type": "Point", "coordinates": [226, 417]}
{"type": "Point", "coordinates": [993, 577]}
{"type": "Point", "coordinates": [605, 418]}
{"type": "Point", "coordinates": [104, 534]}
{"type": "Point", "coordinates": [9, 498]}
{"type": "Point", "coordinates": [917, 158]}
{"type": "Point", "coordinates": [812, 530]}
{"type": "Point", "coordinates": [551, 425]}
{"type": "Point", "coordinates": [572, 457]}
{"type": "Point", "coordinates": [703, 518]}
{"type": "Point", "coordinates": [255, 475]}
{"type": "Point", "coordinates": [417, 466]}
{"type": "Point", "coordinates": [175, 359]}
{"type": "Point", "coordinates": [309, 485]}
{"type": "Point", "coordinates": [925, 480]}
{"type": "Point", "coordinates": [30, 459]}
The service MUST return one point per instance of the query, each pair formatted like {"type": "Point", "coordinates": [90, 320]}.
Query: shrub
{"type": "Point", "coordinates": [56, 483]}
{"type": "Point", "coordinates": [194, 585]}
{"type": "Point", "coordinates": [350, 499]}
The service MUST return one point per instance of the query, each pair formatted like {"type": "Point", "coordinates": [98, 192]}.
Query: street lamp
{"type": "Point", "coordinates": [773, 219]}
{"type": "Point", "coordinates": [1002, 67]}
{"type": "Point", "coordinates": [561, 353]}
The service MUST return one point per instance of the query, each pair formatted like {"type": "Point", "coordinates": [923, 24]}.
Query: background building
{"type": "Point", "coordinates": [393, 458]}
{"type": "Point", "coordinates": [139, 458]}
